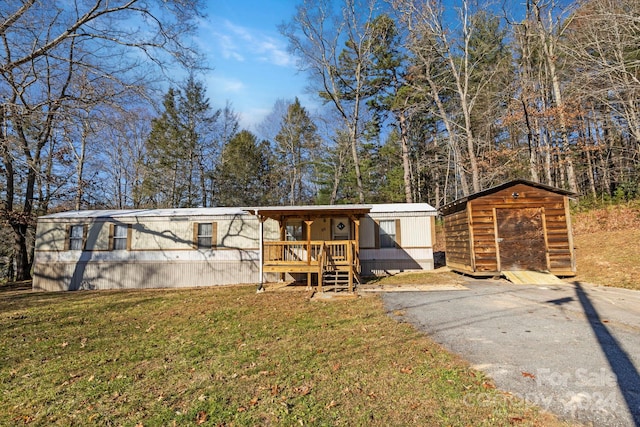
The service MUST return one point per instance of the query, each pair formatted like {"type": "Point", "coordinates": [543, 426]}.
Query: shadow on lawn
{"type": "Point", "coordinates": [24, 285]}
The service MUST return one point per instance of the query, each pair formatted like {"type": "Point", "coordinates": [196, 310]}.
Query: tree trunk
{"type": "Point", "coordinates": [457, 158]}
{"type": "Point", "coordinates": [590, 166]}
{"type": "Point", "coordinates": [354, 143]}
{"type": "Point", "coordinates": [80, 167]}
{"type": "Point", "coordinates": [533, 152]}
{"type": "Point", "coordinates": [548, 48]}
{"type": "Point", "coordinates": [20, 251]}
{"type": "Point", "coordinates": [547, 157]}
{"type": "Point", "coordinates": [406, 160]}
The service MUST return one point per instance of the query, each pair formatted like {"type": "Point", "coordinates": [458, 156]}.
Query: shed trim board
{"type": "Point", "coordinates": [247, 246]}
{"type": "Point", "coordinates": [471, 236]}
{"type": "Point", "coordinates": [474, 233]}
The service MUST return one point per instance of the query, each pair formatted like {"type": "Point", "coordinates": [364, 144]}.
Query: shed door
{"type": "Point", "coordinates": [521, 241]}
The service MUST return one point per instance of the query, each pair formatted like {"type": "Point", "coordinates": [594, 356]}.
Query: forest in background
{"type": "Point", "coordinates": [422, 101]}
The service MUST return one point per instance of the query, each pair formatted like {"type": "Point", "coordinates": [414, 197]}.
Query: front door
{"type": "Point", "coordinates": [340, 229]}
{"type": "Point", "coordinates": [521, 242]}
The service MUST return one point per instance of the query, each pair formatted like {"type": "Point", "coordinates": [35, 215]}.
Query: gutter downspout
{"type": "Point", "coordinates": [260, 253]}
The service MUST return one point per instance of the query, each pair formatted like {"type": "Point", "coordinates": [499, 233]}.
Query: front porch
{"type": "Point", "coordinates": [324, 245]}
{"type": "Point", "coordinates": [331, 261]}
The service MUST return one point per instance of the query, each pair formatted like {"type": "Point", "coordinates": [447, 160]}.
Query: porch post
{"type": "Point", "coordinates": [282, 223]}
{"type": "Point", "coordinates": [261, 252]}
{"type": "Point", "coordinates": [355, 263]}
{"type": "Point", "coordinates": [308, 224]}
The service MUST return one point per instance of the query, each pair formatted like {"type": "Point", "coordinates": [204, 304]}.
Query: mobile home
{"type": "Point", "coordinates": [158, 248]}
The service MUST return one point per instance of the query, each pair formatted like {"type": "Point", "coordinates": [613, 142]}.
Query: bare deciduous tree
{"type": "Point", "coordinates": [456, 75]}
{"type": "Point", "coordinates": [46, 47]}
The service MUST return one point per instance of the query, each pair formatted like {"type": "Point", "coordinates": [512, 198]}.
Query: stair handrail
{"type": "Point", "coordinates": [357, 268]}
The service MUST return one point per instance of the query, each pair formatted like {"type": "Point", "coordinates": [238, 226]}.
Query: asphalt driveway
{"type": "Point", "coordinates": [570, 349]}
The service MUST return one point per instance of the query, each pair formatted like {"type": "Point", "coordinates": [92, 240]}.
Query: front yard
{"type": "Point", "coordinates": [229, 356]}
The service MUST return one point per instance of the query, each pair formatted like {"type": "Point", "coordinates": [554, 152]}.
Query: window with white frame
{"type": "Point", "coordinates": [120, 237]}
{"type": "Point", "coordinates": [387, 233]}
{"type": "Point", "coordinates": [204, 235]}
{"type": "Point", "coordinates": [76, 237]}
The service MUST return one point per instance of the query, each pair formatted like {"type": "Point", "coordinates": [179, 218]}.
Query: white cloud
{"type": "Point", "coordinates": [229, 48]}
{"type": "Point", "coordinates": [252, 117]}
{"type": "Point", "coordinates": [276, 54]}
{"type": "Point", "coordinates": [225, 84]}
{"type": "Point", "coordinates": [242, 32]}
{"type": "Point", "coordinates": [239, 43]}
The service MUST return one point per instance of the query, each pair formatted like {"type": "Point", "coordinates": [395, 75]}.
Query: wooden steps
{"type": "Point", "coordinates": [337, 279]}
{"type": "Point", "coordinates": [527, 277]}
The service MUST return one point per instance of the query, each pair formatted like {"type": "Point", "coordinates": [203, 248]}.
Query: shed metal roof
{"type": "Point", "coordinates": [454, 206]}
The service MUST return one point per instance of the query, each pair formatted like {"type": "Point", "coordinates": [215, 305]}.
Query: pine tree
{"type": "Point", "coordinates": [393, 96]}
{"type": "Point", "coordinates": [163, 164]}
{"type": "Point", "coordinates": [296, 143]}
{"type": "Point", "coordinates": [181, 150]}
{"type": "Point", "coordinates": [243, 173]}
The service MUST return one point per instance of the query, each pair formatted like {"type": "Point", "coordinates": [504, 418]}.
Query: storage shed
{"type": "Point", "coordinates": [519, 225]}
{"type": "Point", "coordinates": [157, 248]}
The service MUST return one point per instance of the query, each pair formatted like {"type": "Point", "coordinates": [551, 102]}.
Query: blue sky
{"type": "Point", "coordinates": [251, 65]}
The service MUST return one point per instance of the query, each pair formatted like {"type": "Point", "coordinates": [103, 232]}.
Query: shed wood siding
{"type": "Point", "coordinates": [457, 241]}
{"type": "Point", "coordinates": [472, 243]}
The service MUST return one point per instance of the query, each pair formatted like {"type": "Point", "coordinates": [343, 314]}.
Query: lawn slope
{"type": "Point", "coordinates": [607, 246]}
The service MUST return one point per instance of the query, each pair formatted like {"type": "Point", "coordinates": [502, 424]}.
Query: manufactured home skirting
{"type": "Point", "coordinates": [58, 271]}
{"type": "Point", "coordinates": [116, 275]}
{"type": "Point", "coordinates": [61, 271]}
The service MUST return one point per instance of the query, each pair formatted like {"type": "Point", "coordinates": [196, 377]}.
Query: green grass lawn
{"type": "Point", "coordinates": [229, 356]}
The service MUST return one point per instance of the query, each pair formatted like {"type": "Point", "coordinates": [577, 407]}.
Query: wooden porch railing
{"type": "Point", "coordinates": [294, 252]}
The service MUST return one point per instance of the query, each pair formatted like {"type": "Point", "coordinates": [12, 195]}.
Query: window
{"type": "Point", "coordinates": [76, 237]}
{"type": "Point", "coordinates": [120, 237]}
{"type": "Point", "coordinates": [205, 235]}
{"type": "Point", "coordinates": [388, 233]}
{"type": "Point", "coordinates": [294, 231]}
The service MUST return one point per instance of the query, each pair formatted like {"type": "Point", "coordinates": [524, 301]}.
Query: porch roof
{"type": "Point", "coordinates": [318, 211]}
